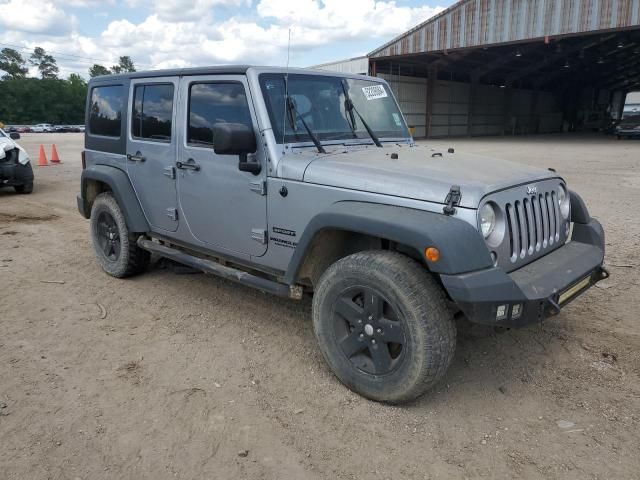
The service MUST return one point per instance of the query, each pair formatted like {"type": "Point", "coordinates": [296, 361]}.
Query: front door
{"type": "Point", "coordinates": [222, 206]}
{"type": "Point", "coordinates": [151, 149]}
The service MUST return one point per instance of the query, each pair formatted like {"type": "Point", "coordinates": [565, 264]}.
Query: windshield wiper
{"type": "Point", "coordinates": [294, 115]}
{"type": "Point", "coordinates": [350, 107]}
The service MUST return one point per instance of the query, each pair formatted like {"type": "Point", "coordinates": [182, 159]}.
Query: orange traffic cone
{"type": "Point", "coordinates": [54, 154]}
{"type": "Point", "coordinates": [42, 159]}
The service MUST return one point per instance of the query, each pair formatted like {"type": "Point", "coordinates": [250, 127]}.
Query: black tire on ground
{"type": "Point", "coordinates": [383, 325]}
{"type": "Point", "coordinates": [24, 188]}
{"type": "Point", "coordinates": [115, 247]}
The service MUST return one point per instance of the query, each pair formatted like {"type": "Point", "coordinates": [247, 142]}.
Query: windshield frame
{"type": "Point", "coordinates": [324, 137]}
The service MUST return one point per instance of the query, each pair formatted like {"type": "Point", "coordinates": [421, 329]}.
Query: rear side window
{"type": "Point", "coordinates": [105, 111]}
{"type": "Point", "coordinates": [152, 112]}
{"type": "Point", "coordinates": [211, 103]}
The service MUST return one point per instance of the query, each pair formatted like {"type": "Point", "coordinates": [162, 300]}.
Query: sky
{"type": "Point", "coordinates": [180, 33]}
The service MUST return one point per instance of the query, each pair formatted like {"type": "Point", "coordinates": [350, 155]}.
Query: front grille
{"type": "Point", "coordinates": [533, 224]}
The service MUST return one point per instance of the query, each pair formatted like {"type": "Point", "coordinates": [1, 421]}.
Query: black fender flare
{"type": "Point", "coordinates": [579, 211]}
{"type": "Point", "coordinates": [122, 190]}
{"type": "Point", "coordinates": [462, 248]}
{"type": "Point", "coordinates": [586, 229]}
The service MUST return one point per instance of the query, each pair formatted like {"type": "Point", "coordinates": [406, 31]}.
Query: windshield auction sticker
{"type": "Point", "coordinates": [374, 92]}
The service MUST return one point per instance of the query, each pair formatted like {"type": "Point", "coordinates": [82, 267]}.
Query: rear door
{"type": "Point", "coordinates": [223, 206]}
{"type": "Point", "coordinates": [151, 149]}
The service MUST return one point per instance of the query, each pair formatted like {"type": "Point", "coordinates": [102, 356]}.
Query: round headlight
{"type": "Point", "coordinates": [563, 202]}
{"type": "Point", "coordinates": [487, 220]}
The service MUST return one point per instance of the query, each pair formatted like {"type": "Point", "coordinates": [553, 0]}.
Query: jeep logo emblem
{"type": "Point", "coordinates": [532, 190]}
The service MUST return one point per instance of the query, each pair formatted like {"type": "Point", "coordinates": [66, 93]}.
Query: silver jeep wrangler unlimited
{"type": "Point", "coordinates": [298, 182]}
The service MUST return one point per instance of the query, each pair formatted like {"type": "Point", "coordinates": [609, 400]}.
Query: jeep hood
{"type": "Point", "coordinates": [415, 174]}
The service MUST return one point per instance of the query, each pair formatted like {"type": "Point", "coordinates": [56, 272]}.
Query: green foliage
{"type": "Point", "coordinates": [47, 99]}
{"type": "Point", "coordinates": [98, 70]}
{"type": "Point", "coordinates": [13, 64]}
{"type": "Point", "coordinates": [46, 63]}
{"type": "Point", "coordinates": [50, 100]}
{"type": "Point", "coordinates": [125, 64]}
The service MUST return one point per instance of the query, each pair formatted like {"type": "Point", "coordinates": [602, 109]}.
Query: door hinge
{"type": "Point", "coordinates": [259, 235]}
{"type": "Point", "coordinates": [170, 172]}
{"type": "Point", "coordinates": [258, 187]}
{"type": "Point", "coordinates": [172, 213]}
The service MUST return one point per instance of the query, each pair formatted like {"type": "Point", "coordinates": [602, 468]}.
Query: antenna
{"type": "Point", "coordinates": [286, 92]}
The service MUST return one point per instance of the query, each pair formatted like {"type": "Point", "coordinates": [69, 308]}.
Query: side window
{"type": "Point", "coordinates": [211, 103]}
{"type": "Point", "coordinates": [152, 114]}
{"type": "Point", "coordinates": [105, 110]}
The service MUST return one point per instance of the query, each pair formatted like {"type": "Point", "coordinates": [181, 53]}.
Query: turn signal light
{"type": "Point", "coordinates": [432, 254]}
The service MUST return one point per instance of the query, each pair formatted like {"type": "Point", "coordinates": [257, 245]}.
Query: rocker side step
{"type": "Point", "coordinates": [233, 274]}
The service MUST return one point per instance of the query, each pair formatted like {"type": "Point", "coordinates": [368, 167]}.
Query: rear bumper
{"type": "Point", "coordinates": [537, 290]}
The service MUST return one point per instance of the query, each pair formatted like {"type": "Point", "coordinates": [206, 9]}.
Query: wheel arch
{"type": "Point", "coordinates": [103, 178]}
{"type": "Point", "coordinates": [349, 226]}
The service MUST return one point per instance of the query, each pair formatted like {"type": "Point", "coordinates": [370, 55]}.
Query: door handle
{"type": "Point", "coordinates": [188, 165]}
{"type": "Point", "coordinates": [136, 158]}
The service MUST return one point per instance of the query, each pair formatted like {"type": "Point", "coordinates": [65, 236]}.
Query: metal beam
{"type": "Point", "coordinates": [555, 57]}
{"type": "Point", "coordinates": [507, 57]}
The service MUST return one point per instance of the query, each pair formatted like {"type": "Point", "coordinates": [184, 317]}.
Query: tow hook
{"type": "Point", "coordinates": [555, 308]}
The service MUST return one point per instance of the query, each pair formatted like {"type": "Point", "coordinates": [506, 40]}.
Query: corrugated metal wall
{"type": "Point", "coordinates": [491, 111]}
{"type": "Point", "coordinates": [411, 93]}
{"type": "Point", "coordinates": [358, 66]}
{"type": "Point", "coordinates": [482, 22]}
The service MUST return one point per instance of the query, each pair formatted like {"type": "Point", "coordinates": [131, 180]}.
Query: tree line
{"type": "Point", "coordinates": [45, 98]}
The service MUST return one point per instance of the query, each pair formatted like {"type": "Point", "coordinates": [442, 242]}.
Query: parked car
{"type": "Point", "coordinates": [629, 127]}
{"type": "Point", "coordinates": [308, 183]}
{"type": "Point", "coordinates": [42, 128]}
{"type": "Point", "coordinates": [24, 129]}
{"type": "Point", "coordinates": [15, 164]}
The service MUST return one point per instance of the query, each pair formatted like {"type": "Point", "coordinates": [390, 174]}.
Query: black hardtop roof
{"type": "Point", "coordinates": [222, 70]}
{"type": "Point", "coordinates": [173, 72]}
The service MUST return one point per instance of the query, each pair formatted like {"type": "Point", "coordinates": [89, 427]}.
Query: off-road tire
{"type": "Point", "coordinates": [130, 259]}
{"type": "Point", "coordinates": [24, 189]}
{"type": "Point", "coordinates": [429, 327]}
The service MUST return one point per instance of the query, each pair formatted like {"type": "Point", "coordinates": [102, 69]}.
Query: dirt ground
{"type": "Point", "coordinates": [191, 377]}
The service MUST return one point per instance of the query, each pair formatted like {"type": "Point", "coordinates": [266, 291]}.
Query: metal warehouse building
{"type": "Point", "coordinates": [494, 67]}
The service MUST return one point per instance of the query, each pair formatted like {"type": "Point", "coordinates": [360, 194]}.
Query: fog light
{"type": "Point", "coordinates": [516, 311]}
{"type": "Point", "coordinates": [501, 312]}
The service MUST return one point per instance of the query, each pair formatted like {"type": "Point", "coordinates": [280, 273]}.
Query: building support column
{"type": "Point", "coordinates": [432, 76]}
{"type": "Point", "coordinates": [534, 117]}
{"type": "Point", "coordinates": [473, 88]}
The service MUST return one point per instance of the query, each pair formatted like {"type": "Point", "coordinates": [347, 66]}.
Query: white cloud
{"type": "Point", "coordinates": [180, 10]}
{"type": "Point", "coordinates": [34, 16]}
{"type": "Point", "coordinates": [177, 33]}
{"type": "Point", "coordinates": [340, 19]}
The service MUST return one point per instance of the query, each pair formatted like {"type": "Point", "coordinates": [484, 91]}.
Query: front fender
{"type": "Point", "coordinates": [122, 190]}
{"type": "Point", "coordinates": [461, 246]}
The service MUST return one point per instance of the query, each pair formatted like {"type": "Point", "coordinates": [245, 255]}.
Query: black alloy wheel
{"type": "Point", "coordinates": [108, 236]}
{"type": "Point", "coordinates": [369, 330]}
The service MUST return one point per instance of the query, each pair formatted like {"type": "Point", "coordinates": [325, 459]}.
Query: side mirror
{"type": "Point", "coordinates": [233, 139]}
{"type": "Point", "coordinates": [14, 136]}
{"type": "Point", "coordinates": [236, 139]}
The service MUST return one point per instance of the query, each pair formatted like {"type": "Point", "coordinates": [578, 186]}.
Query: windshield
{"type": "Point", "coordinates": [320, 101]}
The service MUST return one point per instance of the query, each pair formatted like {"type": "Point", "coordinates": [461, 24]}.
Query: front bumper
{"type": "Point", "coordinates": [537, 290]}
{"type": "Point", "coordinates": [14, 174]}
